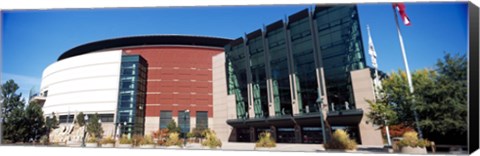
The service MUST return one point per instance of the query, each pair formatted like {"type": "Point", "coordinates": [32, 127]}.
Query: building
{"type": "Point", "coordinates": [299, 79]}
{"type": "Point", "coordinates": [136, 84]}
{"type": "Point", "coordinates": [290, 75]}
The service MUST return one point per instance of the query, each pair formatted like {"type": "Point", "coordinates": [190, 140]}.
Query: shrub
{"type": "Point", "coordinates": [172, 127]}
{"type": "Point", "coordinates": [211, 140]}
{"type": "Point", "coordinates": [173, 140]}
{"type": "Point", "coordinates": [265, 140]}
{"type": "Point", "coordinates": [44, 140]}
{"type": "Point", "coordinates": [125, 140]}
{"type": "Point", "coordinates": [147, 140]}
{"type": "Point", "coordinates": [107, 140]}
{"type": "Point", "coordinates": [92, 139]}
{"type": "Point", "coordinates": [397, 130]}
{"type": "Point", "coordinates": [136, 139]}
{"type": "Point", "coordinates": [341, 140]}
{"type": "Point", "coordinates": [410, 138]}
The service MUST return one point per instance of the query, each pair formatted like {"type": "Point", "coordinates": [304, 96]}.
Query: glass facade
{"type": "Point", "coordinates": [257, 67]}
{"type": "Point", "coordinates": [302, 47]}
{"type": "Point", "coordinates": [289, 56]}
{"type": "Point", "coordinates": [340, 43]}
{"type": "Point", "coordinates": [236, 63]}
{"type": "Point", "coordinates": [277, 51]}
{"type": "Point", "coordinates": [131, 102]}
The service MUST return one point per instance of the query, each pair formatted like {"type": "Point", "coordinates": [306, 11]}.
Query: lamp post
{"type": "Point", "coordinates": [319, 102]}
{"type": "Point", "coordinates": [85, 130]}
{"type": "Point", "coordinates": [184, 127]}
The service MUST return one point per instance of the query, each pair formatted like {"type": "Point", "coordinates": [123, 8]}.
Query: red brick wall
{"type": "Point", "coordinates": [179, 78]}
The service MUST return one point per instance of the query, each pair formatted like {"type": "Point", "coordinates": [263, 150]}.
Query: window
{"type": "Point", "coordinates": [106, 117]}
{"type": "Point", "coordinates": [64, 119]}
{"type": "Point", "coordinates": [184, 121]}
{"type": "Point", "coordinates": [165, 118]}
{"type": "Point", "coordinates": [202, 119]}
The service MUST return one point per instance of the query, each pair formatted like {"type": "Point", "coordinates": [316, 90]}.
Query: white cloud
{"type": "Point", "coordinates": [26, 83]}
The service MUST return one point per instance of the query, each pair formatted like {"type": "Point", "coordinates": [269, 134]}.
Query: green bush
{"type": "Point", "coordinates": [211, 140]}
{"type": "Point", "coordinates": [173, 140]}
{"type": "Point", "coordinates": [107, 140]}
{"type": "Point", "coordinates": [147, 140]}
{"type": "Point", "coordinates": [341, 140]}
{"type": "Point", "coordinates": [265, 140]}
{"type": "Point", "coordinates": [410, 138]}
{"type": "Point", "coordinates": [125, 140]}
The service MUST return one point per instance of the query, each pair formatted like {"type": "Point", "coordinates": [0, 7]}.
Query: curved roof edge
{"type": "Point", "coordinates": [145, 40]}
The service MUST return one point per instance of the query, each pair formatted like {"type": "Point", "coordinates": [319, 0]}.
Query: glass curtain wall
{"type": "Point", "coordinates": [131, 103]}
{"type": "Point", "coordinates": [340, 43]}
{"type": "Point", "coordinates": [237, 75]}
{"type": "Point", "coordinates": [257, 67]}
{"type": "Point", "coordinates": [303, 61]}
{"type": "Point", "coordinates": [277, 51]}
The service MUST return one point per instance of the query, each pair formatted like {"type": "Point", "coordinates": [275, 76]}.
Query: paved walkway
{"type": "Point", "coordinates": [288, 148]}
{"type": "Point", "coordinates": [284, 147]}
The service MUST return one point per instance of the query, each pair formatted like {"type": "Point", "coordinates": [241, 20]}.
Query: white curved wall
{"type": "Point", "coordinates": [87, 83]}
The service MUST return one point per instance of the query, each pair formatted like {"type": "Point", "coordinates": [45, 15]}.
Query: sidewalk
{"type": "Point", "coordinates": [282, 147]}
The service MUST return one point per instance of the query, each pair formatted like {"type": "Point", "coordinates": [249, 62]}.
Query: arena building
{"type": "Point", "coordinates": [136, 84]}
{"type": "Point", "coordinates": [299, 79]}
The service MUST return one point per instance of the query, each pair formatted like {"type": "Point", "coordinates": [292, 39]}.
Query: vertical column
{"type": "Point", "coordinates": [268, 73]}
{"type": "Point", "coordinates": [233, 135]}
{"type": "Point", "coordinates": [273, 132]}
{"type": "Point", "coordinates": [252, 134]}
{"type": "Point", "coordinates": [298, 133]}
{"type": "Point", "coordinates": [251, 113]}
{"type": "Point", "coordinates": [291, 70]}
{"type": "Point", "coordinates": [319, 64]}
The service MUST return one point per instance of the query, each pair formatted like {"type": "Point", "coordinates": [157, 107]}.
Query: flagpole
{"type": "Point", "coordinates": [409, 78]}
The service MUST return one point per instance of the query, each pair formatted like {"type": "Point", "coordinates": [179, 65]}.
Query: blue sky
{"type": "Point", "coordinates": [33, 39]}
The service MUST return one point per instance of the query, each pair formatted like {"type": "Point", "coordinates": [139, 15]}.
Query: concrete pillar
{"type": "Point", "coordinates": [252, 134]}
{"type": "Point", "coordinates": [298, 134]}
{"type": "Point", "coordinates": [362, 84]}
{"type": "Point", "coordinates": [273, 132]}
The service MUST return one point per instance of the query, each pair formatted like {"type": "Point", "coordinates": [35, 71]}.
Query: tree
{"type": "Point", "coordinates": [94, 127]}
{"type": "Point", "coordinates": [13, 112]}
{"type": "Point", "coordinates": [80, 119]}
{"type": "Point", "coordinates": [35, 122]}
{"type": "Point", "coordinates": [443, 112]}
{"type": "Point", "coordinates": [51, 122]}
{"type": "Point", "coordinates": [440, 99]}
{"type": "Point", "coordinates": [381, 113]}
{"type": "Point", "coordinates": [172, 127]}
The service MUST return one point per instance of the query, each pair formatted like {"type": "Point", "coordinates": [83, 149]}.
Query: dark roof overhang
{"type": "Point", "coordinates": [149, 40]}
